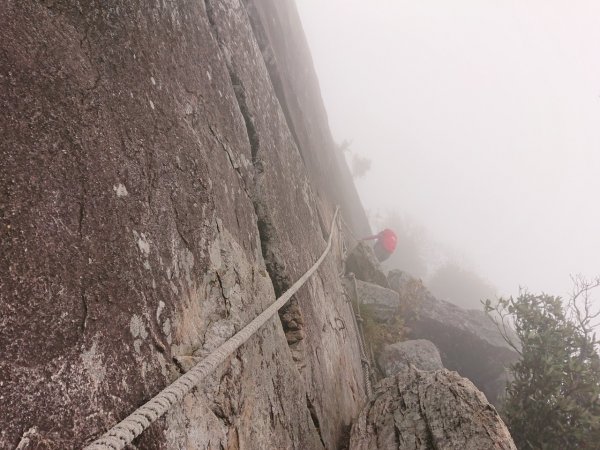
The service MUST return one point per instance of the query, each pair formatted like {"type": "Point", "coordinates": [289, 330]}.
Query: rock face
{"type": "Point", "coordinates": [155, 196]}
{"type": "Point", "coordinates": [382, 303]}
{"type": "Point", "coordinates": [429, 410]}
{"type": "Point", "coordinates": [361, 261]}
{"type": "Point", "coordinates": [411, 290]}
{"type": "Point", "coordinates": [283, 192]}
{"type": "Point", "coordinates": [420, 353]}
{"type": "Point", "coordinates": [288, 60]}
{"type": "Point", "coordinates": [468, 341]}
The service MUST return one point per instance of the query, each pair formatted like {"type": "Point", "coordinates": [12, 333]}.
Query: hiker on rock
{"type": "Point", "coordinates": [385, 245]}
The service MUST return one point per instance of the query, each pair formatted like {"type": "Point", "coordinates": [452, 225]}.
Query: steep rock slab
{"type": "Point", "coordinates": [361, 261]}
{"type": "Point", "coordinates": [417, 410]}
{"type": "Point", "coordinates": [468, 340]}
{"type": "Point", "coordinates": [293, 229]}
{"type": "Point", "coordinates": [129, 242]}
{"type": "Point", "coordinates": [421, 353]}
{"type": "Point", "coordinates": [383, 303]}
{"type": "Point", "coordinates": [287, 57]}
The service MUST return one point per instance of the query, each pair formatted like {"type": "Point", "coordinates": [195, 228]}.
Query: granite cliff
{"type": "Point", "coordinates": [167, 171]}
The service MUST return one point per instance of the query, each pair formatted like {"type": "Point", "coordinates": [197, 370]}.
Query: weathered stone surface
{"type": "Point", "coordinates": [373, 294]}
{"type": "Point", "coordinates": [361, 261]}
{"type": "Point", "coordinates": [410, 289]}
{"type": "Point", "coordinates": [417, 410]}
{"type": "Point", "coordinates": [421, 353]}
{"type": "Point", "coordinates": [468, 340]}
{"type": "Point", "coordinates": [293, 232]}
{"type": "Point", "coordinates": [143, 158]}
{"type": "Point", "coordinates": [383, 303]}
{"type": "Point", "coordinates": [287, 56]}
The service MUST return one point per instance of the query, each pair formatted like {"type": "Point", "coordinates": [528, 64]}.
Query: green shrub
{"type": "Point", "coordinates": [553, 400]}
{"type": "Point", "coordinates": [377, 333]}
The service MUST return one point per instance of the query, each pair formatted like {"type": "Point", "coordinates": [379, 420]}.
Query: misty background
{"type": "Point", "coordinates": [480, 124]}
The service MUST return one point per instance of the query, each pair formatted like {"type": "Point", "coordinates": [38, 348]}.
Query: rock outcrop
{"type": "Point", "coordinates": [361, 261]}
{"type": "Point", "coordinates": [280, 37]}
{"type": "Point", "coordinates": [158, 189]}
{"type": "Point", "coordinates": [420, 353]}
{"type": "Point", "coordinates": [382, 303]}
{"type": "Point", "coordinates": [417, 410]}
{"type": "Point", "coordinates": [468, 340]}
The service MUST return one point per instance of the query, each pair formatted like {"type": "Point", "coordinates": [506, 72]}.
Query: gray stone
{"type": "Point", "coordinates": [468, 341]}
{"type": "Point", "coordinates": [417, 410]}
{"type": "Point", "coordinates": [421, 353]}
{"type": "Point", "coordinates": [361, 261]}
{"type": "Point", "coordinates": [382, 303]}
{"type": "Point", "coordinates": [410, 289]}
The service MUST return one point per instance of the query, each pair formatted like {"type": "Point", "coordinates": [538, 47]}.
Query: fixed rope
{"type": "Point", "coordinates": [132, 426]}
{"type": "Point", "coordinates": [357, 318]}
{"type": "Point", "coordinates": [358, 322]}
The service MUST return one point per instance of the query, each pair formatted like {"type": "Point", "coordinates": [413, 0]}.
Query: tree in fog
{"type": "Point", "coordinates": [344, 146]}
{"type": "Point", "coordinates": [460, 286]}
{"type": "Point", "coordinates": [360, 166]}
{"type": "Point", "coordinates": [553, 401]}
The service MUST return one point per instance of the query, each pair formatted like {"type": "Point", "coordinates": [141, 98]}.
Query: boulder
{"type": "Point", "coordinates": [383, 304]}
{"type": "Point", "coordinates": [410, 289]}
{"type": "Point", "coordinates": [468, 340]}
{"type": "Point", "coordinates": [361, 261]}
{"type": "Point", "coordinates": [421, 353]}
{"type": "Point", "coordinates": [420, 410]}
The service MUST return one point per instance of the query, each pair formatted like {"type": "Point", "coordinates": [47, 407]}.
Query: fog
{"type": "Point", "coordinates": [482, 123]}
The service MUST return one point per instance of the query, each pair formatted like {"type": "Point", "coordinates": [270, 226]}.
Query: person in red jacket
{"type": "Point", "coordinates": [385, 244]}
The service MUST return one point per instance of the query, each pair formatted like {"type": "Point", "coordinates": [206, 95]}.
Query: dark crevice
{"type": "Point", "coordinates": [83, 244]}
{"type": "Point", "coordinates": [178, 365]}
{"type": "Point", "coordinates": [81, 215]}
{"type": "Point", "coordinates": [268, 56]}
{"type": "Point", "coordinates": [290, 315]}
{"type": "Point", "coordinates": [271, 415]}
{"type": "Point", "coordinates": [218, 411]}
{"type": "Point", "coordinates": [240, 95]}
{"type": "Point", "coordinates": [157, 342]}
{"type": "Point", "coordinates": [315, 419]}
{"type": "Point", "coordinates": [209, 14]}
{"type": "Point", "coordinates": [85, 309]}
{"type": "Point", "coordinates": [225, 297]}
{"type": "Point", "coordinates": [275, 268]}
{"type": "Point", "coordinates": [344, 442]}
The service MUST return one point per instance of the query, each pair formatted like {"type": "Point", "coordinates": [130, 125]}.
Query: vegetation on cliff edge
{"type": "Point", "coordinates": [553, 400]}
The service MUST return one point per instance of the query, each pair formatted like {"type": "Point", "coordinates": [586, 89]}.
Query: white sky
{"type": "Point", "coordinates": [482, 121]}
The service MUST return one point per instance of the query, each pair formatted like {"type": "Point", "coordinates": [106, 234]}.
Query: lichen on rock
{"type": "Point", "coordinates": [421, 410]}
